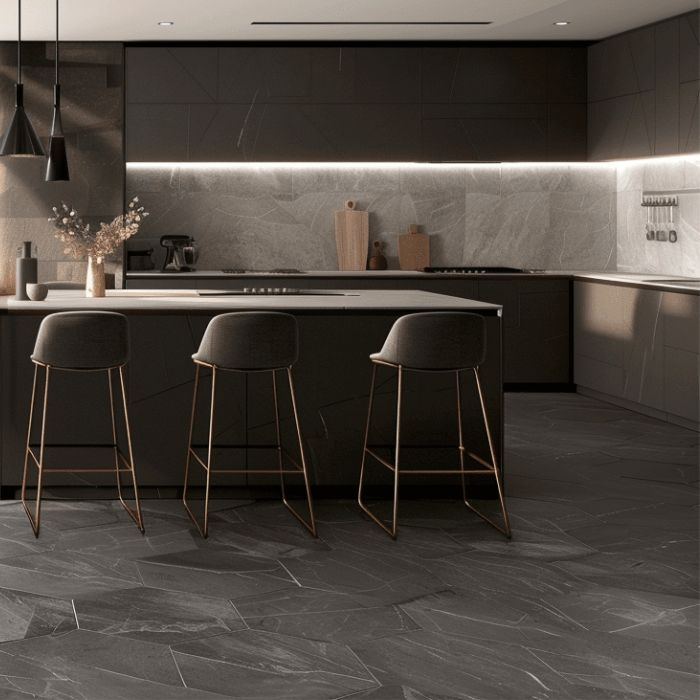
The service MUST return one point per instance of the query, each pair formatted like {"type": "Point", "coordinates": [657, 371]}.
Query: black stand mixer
{"type": "Point", "coordinates": [181, 253]}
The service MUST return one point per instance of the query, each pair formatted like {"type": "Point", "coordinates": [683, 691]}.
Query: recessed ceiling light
{"type": "Point", "coordinates": [165, 24]}
{"type": "Point", "coordinates": [561, 23]}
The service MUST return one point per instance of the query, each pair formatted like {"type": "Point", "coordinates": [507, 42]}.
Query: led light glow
{"type": "Point", "coordinates": [561, 23]}
{"type": "Point", "coordinates": [348, 165]}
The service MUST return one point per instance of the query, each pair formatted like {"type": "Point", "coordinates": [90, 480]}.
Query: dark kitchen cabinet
{"type": "Point", "coordinates": [536, 328]}
{"type": "Point", "coordinates": [536, 312]}
{"type": "Point", "coordinates": [643, 91]}
{"type": "Point", "coordinates": [355, 103]}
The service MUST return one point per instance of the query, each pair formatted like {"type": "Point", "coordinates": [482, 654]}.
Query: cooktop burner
{"type": "Point", "coordinates": [273, 271]}
{"type": "Point", "coordinates": [273, 291]}
{"type": "Point", "coordinates": [473, 270]}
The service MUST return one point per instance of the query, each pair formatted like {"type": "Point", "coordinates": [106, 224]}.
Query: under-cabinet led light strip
{"type": "Point", "coordinates": [404, 165]}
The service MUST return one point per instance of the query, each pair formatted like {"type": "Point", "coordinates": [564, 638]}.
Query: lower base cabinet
{"type": "Point", "coordinates": [536, 313]}
{"type": "Point", "coordinates": [640, 346]}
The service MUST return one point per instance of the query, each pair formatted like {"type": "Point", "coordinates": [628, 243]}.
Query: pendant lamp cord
{"type": "Point", "coordinates": [19, 41]}
{"type": "Point", "coordinates": [56, 42]}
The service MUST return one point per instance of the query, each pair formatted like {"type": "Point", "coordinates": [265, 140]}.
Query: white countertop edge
{"type": "Point", "coordinates": [183, 300]}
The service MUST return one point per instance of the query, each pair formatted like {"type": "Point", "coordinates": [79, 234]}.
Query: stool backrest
{"type": "Point", "coordinates": [83, 340]}
{"type": "Point", "coordinates": [250, 340]}
{"type": "Point", "coordinates": [436, 341]}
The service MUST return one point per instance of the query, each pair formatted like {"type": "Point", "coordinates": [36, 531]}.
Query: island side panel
{"type": "Point", "coordinates": [332, 381]}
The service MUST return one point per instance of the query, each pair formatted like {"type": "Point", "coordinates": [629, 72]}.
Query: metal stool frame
{"type": "Point", "coordinates": [490, 468]}
{"type": "Point", "coordinates": [119, 457]}
{"type": "Point", "coordinates": [282, 453]}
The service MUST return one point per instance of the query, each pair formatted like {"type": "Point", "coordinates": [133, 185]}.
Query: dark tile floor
{"type": "Point", "coordinates": [596, 596]}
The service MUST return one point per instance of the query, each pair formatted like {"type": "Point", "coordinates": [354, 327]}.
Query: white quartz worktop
{"type": "Point", "coordinates": [189, 301]}
{"type": "Point", "coordinates": [330, 274]}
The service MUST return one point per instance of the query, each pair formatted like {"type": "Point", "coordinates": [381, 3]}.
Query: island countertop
{"type": "Point", "coordinates": [337, 333]}
{"type": "Point", "coordinates": [187, 301]}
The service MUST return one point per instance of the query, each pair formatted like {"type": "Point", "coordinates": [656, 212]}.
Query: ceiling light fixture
{"type": "Point", "coordinates": [561, 23]}
{"type": "Point", "coordinates": [20, 138]}
{"type": "Point", "coordinates": [57, 165]}
{"type": "Point", "coordinates": [165, 24]}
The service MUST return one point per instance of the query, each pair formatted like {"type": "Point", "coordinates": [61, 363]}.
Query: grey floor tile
{"type": "Point", "coordinates": [129, 657]}
{"type": "Point", "coordinates": [153, 615]}
{"type": "Point", "coordinates": [24, 615]}
{"type": "Point", "coordinates": [263, 665]}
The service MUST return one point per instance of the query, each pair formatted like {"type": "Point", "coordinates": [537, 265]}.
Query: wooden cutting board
{"type": "Point", "coordinates": [352, 237]}
{"type": "Point", "coordinates": [414, 249]}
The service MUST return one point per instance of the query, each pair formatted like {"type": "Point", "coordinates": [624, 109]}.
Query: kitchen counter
{"type": "Point", "coordinates": [179, 301]}
{"type": "Point", "coordinates": [336, 335]}
{"type": "Point", "coordinates": [671, 283]}
{"type": "Point", "coordinates": [335, 274]}
{"type": "Point", "coordinates": [664, 283]}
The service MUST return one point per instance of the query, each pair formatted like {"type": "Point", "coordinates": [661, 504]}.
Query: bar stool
{"type": "Point", "coordinates": [434, 342]}
{"type": "Point", "coordinates": [247, 342]}
{"type": "Point", "coordinates": [81, 341]}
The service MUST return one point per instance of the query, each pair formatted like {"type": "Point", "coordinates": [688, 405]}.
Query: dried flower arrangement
{"type": "Point", "coordinates": [80, 242]}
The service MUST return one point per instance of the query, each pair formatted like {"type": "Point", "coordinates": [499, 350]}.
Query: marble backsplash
{"type": "Point", "coordinates": [534, 216]}
{"type": "Point", "coordinates": [679, 176]}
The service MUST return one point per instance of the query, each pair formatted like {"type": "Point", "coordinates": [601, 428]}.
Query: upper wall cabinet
{"type": "Point", "coordinates": [643, 91]}
{"type": "Point", "coordinates": [356, 103]}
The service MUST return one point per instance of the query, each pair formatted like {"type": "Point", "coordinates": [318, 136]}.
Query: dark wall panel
{"type": "Point", "coordinates": [355, 103]}
{"type": "Point", "coordinates": [643, 91]}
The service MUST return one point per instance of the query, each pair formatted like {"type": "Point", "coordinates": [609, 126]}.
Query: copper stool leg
{"type": "Point", "coordinates": [310, 525]}
{"type": "Point", "coordinates": [393, 530]}
{"type": "Point", "coordinates": [35, 520]}
{"type": "Point", "coordinates": [203, 529]}
{"type": "Point", "coordinates": [134, 513]}
{"type": "Point", "coordinates": [505, 528]}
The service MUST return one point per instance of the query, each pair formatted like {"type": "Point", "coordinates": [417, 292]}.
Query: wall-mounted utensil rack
{"type": "Point", "coordinates": [659, 200]}
{"type": "Point", "coordinates": [660, 226]}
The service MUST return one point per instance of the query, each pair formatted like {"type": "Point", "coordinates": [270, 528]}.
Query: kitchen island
{"type": "Point", "coordinates": [338, 330]}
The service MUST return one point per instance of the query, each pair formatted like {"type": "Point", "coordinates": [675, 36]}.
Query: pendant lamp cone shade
{"type": "Point", "coordinates": [20, 139]}
{"type": "Point", "coordinates": [57, 165]}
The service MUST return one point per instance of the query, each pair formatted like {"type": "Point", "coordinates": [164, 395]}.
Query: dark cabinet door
{"type": "Point", "coordinates": [354, 103]}
{"type": "Point", "coordinates": [536, 328]}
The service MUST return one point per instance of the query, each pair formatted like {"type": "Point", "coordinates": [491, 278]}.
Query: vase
{"type": "Point", "coordinates": [95, 280]}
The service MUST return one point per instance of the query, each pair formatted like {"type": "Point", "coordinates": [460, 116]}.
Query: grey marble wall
{"type": "Point", "coordinates": [534, 216]}
{"type": "Point", "coordinates": [92, 95]}
{"type": "Point", "coordinates": [674, 175]}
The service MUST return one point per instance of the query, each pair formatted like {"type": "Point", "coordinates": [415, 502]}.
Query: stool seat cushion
{"type": "Point", "coordinates": [82, 340]}
{"type": "Point", "coordinates": [250, 341]}
{"type": "Point", "coordinates": [435, 341]}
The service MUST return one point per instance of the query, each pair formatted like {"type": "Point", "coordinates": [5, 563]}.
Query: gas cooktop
{"type": "Point", "coordinates": [273, 291]}
{"type": "Point", "coordinates": [473, 270]}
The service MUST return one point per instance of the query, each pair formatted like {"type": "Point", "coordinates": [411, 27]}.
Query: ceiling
{"type": "Point", "coordinates": [137, 20]}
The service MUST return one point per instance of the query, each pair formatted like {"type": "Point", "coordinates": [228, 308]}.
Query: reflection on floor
{"type": "Point", "coordinates": [594, 598]}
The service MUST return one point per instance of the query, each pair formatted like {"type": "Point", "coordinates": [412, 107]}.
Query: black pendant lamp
{"type": "Point", "coordinates": [20, 139]}
{"type": "Point", "coordinates": [57, 165]}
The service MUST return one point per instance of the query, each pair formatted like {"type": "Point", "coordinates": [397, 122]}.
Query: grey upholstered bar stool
{"type": "Point", "coordinates": [81, 341]}
{"type": "Point", "coordinates": [434, 342]}
{"type": "Point", "coordinates": [248, 342]}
